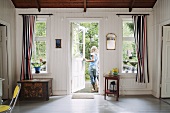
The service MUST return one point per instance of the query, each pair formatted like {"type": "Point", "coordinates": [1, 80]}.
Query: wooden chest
{"type": "Point", "coordinates": [36, 89]}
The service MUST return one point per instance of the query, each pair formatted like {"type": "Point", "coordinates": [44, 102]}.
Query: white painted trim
{"type": "Point", "coordinates": [86, 19]}
{"type": "Point", "coordinates": [9, 55]}
{"type": "Point", "coordinates": [159, 57]}
{"type": "Point", "coordinates": [135, 92]}
{"type": "Point", "coordinates": [59, 92]}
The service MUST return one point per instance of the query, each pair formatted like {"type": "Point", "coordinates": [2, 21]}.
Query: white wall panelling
{"type": "Point", "coordinates": [60, 61]}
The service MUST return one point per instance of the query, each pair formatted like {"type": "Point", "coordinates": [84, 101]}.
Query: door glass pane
{"type": "Point", "coordinates": [77, 35]}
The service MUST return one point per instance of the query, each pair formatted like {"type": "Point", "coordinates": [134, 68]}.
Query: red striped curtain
{"type": "Point", "coordinates": [140, 34]}
{"type": "Point", "coordinates": [28, 32]}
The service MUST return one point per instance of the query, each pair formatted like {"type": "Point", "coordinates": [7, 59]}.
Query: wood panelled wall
{"type": "Point", "coordinates": [7, 16]}
{"type": "Point", "coordinates": [161, 16]}
{"type": "Point", "coordinates": [60, 59]}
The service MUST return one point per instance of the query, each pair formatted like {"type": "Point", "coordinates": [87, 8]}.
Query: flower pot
{"type": "Point", "coordinates": [37, 69]}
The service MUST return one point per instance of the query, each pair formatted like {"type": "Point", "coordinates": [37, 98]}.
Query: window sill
{"type": "Point", "coordinates": [41, 74]}
{"type": "Point", "coordinates": [128, 75]}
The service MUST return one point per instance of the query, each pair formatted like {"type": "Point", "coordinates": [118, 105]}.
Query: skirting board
{"type": "Point", "coordinates": [155, 94]}
{"type": "Point", "coordinates": [59, 92]}
{"type": "Point", "coordinates": [136, 92]}
{"type": "Point", "coordinates": [124, 92]}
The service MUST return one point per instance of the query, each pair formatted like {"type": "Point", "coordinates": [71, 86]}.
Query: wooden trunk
{"type": "Point", "coordinates": [36, 89]}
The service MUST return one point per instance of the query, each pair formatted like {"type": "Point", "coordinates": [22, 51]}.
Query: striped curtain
{"type": "Point", "coordinates": [140, 34]}
{"type": "Point", "coordinates": [28, 32]}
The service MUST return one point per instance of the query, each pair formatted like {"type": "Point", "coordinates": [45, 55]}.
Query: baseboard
{"type": "Point", "coordinates": [59, 92]}
{"type": "Point", "coordinates": [155, 94]}
{"type": "Point", "coordinates": [135, 92]}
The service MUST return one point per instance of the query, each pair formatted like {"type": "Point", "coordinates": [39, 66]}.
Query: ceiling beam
{"type": "Point", "coordinates": [131, 5]}
{"type": "Point", "coordinates": [85, 5]}
{"type": "Point", "coordinates": [38, 5]}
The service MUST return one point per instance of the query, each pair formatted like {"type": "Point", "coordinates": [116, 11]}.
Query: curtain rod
{"type": "Point", "coordinates": [132, 14]}
{"type": "Point", "coordinates": [35, 14]}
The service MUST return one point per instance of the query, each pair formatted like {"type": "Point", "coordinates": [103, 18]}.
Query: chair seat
{"type": "Point", "coordinates": [4, 108]}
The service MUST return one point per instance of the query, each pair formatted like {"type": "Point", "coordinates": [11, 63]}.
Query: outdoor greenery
{"type": "Point", "coordinates": [40, 51]}
{"type": "Point", "coordinates": [40, 29]}
{"type": "Point", "coordinates": [38, 64]}
{"type": "Point", "coordinates": [39, 46]}
{"type": "Point", "coordinates": [91, 39]}
{"type": "Point", "coordinates": [129, 47]}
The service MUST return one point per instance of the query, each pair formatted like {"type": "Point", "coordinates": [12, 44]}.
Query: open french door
{"type": "Point", "coordinates": [165, 89]}
{"type": "Point", "coordinates": [78, 53]}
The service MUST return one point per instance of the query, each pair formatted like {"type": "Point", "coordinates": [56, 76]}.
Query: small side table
{"type": "Point", "coordinates": [107, 91]}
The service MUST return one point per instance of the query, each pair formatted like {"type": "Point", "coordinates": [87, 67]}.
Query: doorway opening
{"type": "Point", "coordinates": [84, 36]}
{"type": "Point", "coordinates": [4, 71]}
{"type": "Point", "coordinates": [165, 63]}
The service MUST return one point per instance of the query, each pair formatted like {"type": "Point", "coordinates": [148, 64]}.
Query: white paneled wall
{"type": "Point", "coordinates": [161, 16]}
{"type": "Point", "coordinates": [60, 59]}
{"type": "Point", "coordinates": [7, 17]}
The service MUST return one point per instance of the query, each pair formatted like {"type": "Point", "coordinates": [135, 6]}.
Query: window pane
{"type": "Point", "coordinates": [39, 52]}
{"type": "Point", "coordinates": [128, 29]}
{"type": "Point", "coordinates": [129, 56]}
{"type": "Point", "coordinates": [40, 29]}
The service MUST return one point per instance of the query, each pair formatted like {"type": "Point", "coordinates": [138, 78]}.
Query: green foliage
{"type": "Point", "coordinates": [130, 26]}
{"type": "Point", "coordinates": [38, 64]}
{"type": "Point", "coordinates": [91, 38]}
{"type": "Point", "coordinates": [87, 75]}
{"type": "Point", "coordinates": [128, 29]}
{"type": "Point", "coordinates": [39, 47]}
{"type": "Point", "coordinates": [40, 51]}
{"type": "Point", "coordinates": [40, 30]}
{"type": "Point", "coordinates": [129, 47]}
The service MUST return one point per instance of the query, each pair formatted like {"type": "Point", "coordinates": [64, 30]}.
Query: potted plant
{"type": "Point", "coordinates": [37, 65]}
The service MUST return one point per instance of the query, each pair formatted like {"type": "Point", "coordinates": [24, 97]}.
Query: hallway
{"type": "Point", "coordinates": [64, 104]}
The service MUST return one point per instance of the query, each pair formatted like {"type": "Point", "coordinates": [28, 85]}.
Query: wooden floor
{"type": "Point", "coordinates": [64, 104]}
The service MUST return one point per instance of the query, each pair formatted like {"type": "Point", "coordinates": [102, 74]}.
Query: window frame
{"type": "Point", "coordinates": [39, 38]}
{"type": "Point", "coordinates": [121, 46]}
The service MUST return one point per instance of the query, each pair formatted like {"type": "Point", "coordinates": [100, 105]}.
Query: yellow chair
{"type": "Point", "coordinates": [9, 108]}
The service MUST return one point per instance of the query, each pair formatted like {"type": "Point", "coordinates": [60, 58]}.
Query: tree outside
{"type": "Point", "coordinates": [39, 44]}
{"type": "Point", "coordinates": [129, 47]}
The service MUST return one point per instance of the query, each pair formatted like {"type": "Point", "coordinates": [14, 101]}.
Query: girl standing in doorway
{"type": "Point", "coordinates": [93, 66]}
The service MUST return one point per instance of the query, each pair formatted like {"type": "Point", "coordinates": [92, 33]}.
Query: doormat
{"type": "Point", "coordinates": [82, 96]}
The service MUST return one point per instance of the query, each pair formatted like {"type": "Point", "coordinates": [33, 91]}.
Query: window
{"type": "Point", "coordinates": [39, 46]}
{"type": "Point", "coordinates": [128, 48]}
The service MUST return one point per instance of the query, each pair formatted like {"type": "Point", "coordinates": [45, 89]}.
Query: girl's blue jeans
{"type": "Point", "coordinates": [92, 72]}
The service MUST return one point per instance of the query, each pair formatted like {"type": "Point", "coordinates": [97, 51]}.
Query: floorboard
{"type": "Point", "coordinates": [64, 104]}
